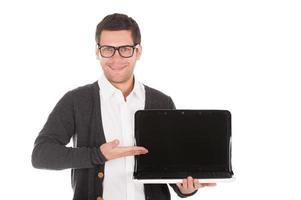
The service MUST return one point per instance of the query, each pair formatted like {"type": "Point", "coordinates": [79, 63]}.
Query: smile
{"type": "Point", "coordinates": [117, 68]}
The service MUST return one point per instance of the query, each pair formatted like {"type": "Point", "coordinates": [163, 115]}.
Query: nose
{"type": "Point", "coordinates": [117, 55]}
{"type": "Point", "coordinates": [116, 58]}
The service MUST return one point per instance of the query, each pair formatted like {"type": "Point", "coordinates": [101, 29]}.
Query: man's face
{"type": "Point", "coordinates": [118, 69]}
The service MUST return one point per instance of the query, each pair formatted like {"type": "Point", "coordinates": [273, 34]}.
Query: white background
{"type": "Point", "coordinates": [238, 55]}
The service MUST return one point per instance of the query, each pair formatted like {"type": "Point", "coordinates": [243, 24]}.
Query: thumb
{"type": "Point", "coordinates": [114, 143]}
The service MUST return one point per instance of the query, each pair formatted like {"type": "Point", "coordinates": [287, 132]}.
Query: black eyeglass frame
{"type": "Point", "coordinates": [117, 48]}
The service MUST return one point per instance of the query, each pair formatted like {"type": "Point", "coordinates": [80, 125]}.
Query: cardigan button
{"type": "Point", "coordinates": [100, 174]}
{"type": "Point", "coordinates": [99, 198]}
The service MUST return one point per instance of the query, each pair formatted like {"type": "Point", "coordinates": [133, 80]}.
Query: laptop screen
{"type": "Point", "coordinates": [186, 140]}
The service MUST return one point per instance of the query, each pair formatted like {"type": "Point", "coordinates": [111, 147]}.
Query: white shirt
{"type": "Point", "coordinates": [118, 123]}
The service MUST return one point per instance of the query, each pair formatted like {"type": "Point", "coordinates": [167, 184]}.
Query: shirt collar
{"type": "Point", "coordinates": [107, 90]}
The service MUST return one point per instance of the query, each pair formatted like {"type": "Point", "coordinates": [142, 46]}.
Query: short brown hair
{"type": "Point", "coordinates": [117, 22]}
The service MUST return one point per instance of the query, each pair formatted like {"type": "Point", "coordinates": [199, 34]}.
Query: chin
{"type": "Point", "coordinates": [117, 79]}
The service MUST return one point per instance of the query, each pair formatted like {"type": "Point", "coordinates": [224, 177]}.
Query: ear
{"type": "Point", "coordinates": [97, 52]}
{"type": "Point", "coordinates": [138, 51]}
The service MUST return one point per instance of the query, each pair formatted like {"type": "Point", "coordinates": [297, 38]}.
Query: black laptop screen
{"type": "Point", "coordinates": [183, 139]}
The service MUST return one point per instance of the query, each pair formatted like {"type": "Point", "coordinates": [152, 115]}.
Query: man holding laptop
{"type": "Point", "coordinates": [100, 119]}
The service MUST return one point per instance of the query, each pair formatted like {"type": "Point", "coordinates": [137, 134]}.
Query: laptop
{"type": "Point", "coordinates": [183, 143]}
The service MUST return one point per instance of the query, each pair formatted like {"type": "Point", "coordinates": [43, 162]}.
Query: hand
{"type": "Point", "coordinates": [190, 185]}
{"type": "Point", "coordinates": [111, 150]}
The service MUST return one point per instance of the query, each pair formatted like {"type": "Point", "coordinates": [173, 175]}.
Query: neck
{"type": "Point", "coordinates": [125, 87]}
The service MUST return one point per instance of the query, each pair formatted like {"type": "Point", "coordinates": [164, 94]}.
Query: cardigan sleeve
{"type": "Point", "coordinates": [179, 193]}
{"type": "Point", "coordinates": [50, 151]}
{"type": "Point", "coordinates": [171, 104]}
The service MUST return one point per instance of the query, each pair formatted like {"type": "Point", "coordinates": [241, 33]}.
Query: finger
{"type": "Point", "coordinates": [143, 149]}
{"type": "Point", "coordinates": [184, 183]}
{"type": "Point", "coordinates": [146, 150]}
{"type": "Point", "coordinates": [138, 150]}
{"type": "Point", "coordinates": [131, 151]}
{"type": "Point", "coordinates": [197, 184]}
{"type": "Point", "coordinates": [133, 148]}
{"type": "Point", "coordinates": [190, 182]}
{"type": "Point", "coordinates": [209, 184]}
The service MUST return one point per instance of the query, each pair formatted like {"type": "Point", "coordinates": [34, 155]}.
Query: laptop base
{"type": "Point", "coordinates": [169, 181]}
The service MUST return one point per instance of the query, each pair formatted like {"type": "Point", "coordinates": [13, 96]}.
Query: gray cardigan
{"type": "Point", "coordinates": [77, 115]}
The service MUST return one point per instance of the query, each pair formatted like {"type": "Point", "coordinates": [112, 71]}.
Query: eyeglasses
{"type": "Point", "coordinates": [125, 51]}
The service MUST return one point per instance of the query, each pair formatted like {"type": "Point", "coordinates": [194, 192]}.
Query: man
{"type": "Point", "coordinates": [99, 118]}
